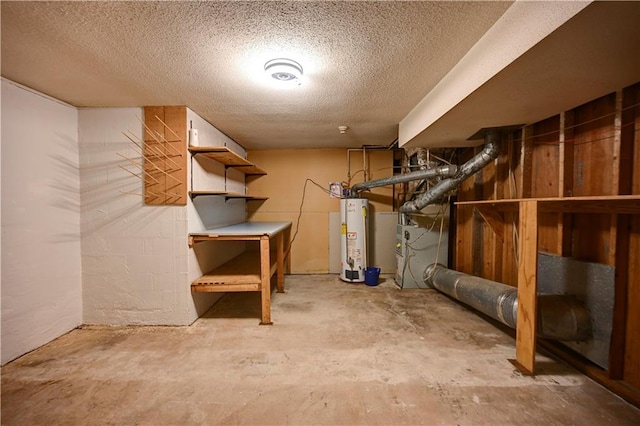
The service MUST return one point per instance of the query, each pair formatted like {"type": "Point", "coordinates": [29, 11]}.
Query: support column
{"type": "Point", "coordinates": [527, 287]}
{"type": "Point", "coordinates": [265, 280]}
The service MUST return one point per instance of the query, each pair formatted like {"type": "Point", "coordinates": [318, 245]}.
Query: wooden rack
{"type": "Point", "coordinates": [165, 159]}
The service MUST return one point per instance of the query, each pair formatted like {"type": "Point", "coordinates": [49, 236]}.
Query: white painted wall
{"type": "Point", "coordinates": [78, 246]}
{"type": "Point", "coordinates": [41, 281]}
{"type": "Point", "coordinates": [134, 257]}
{"type": "Point", "coordinates": [137, 266]}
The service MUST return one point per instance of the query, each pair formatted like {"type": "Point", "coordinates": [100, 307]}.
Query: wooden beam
{"type": "Point", "coordinates": [280, 261]}
{"type": "Point", "coordinates": [615, 181]}
{"type": "Point", "coordinates": [621, 294]}
{"type": "Point", "coordinates": [527, 287]}
{"type": "Point", "coordinates": [265, 278]}
{"type": "Point", "coordinates": [526, 161]}
{"type": "Point", "coordinates": [565, 187]}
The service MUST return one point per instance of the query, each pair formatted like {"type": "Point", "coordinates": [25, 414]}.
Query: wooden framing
{"type": "Point", "coordinates": [529, 212]}
{"type": "Point", "coordinates": [581, 170]}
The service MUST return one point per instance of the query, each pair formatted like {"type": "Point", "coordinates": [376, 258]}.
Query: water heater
{"type": "Point", "coordinates": [354, 216]}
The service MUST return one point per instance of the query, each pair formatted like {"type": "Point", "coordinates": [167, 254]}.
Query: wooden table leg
{"type": "Point", "coordinates": [265, 281]}
{"type": "Point", "coordinates": [527, 287]}
{"type": "Point", "coordinates": [280, 260]}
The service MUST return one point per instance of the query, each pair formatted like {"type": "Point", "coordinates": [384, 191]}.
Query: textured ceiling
{"type": "Point", "coordinates": [367, 64]}
{"type": "Point", "coordinates": [442, 69]}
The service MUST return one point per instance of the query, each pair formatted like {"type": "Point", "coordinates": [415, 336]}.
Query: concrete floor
{"type": "Point", "coordinates": [338, 354]}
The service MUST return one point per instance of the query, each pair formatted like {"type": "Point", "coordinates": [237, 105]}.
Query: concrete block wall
{"type": "Point", "coordinates": [137, 265]}
{"type": "Point", "coordinates": [134, 257]}
{"type": "Point", "coordinates": [41, 280]}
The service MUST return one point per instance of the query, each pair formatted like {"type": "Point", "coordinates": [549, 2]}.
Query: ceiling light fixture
{"type": "Point", "coordinates": [284, 70]}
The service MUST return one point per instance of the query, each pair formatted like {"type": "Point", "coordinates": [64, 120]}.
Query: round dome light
{"type": "Point", "coordinates": [284, 70]}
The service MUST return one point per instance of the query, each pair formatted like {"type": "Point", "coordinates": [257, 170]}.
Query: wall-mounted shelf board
{"type": "Point", "coordinates": [226, 195]}
{"type": "Point", "coordinates": [617, 204]}
{"type": "Point", "coordinates": [225, 156]}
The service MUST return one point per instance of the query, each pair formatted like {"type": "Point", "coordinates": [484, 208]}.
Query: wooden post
{"type": "Point", "coordinates": [526, 163]}
{"type": "Point", "coordinates": [527, 287]}
{"type": "Point", "coordinates": [265, 280]}
{"type": "Point", "coordinates": [280, 260]}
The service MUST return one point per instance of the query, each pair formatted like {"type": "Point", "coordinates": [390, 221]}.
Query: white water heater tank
{"type": "Point", "coordinates": [354, 215]}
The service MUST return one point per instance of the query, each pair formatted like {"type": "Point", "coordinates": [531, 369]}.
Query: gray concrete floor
{"type": "Point", "coordinates": [337, 354]}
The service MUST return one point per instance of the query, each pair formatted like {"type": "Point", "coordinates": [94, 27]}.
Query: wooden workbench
{"type": "Point", "coordinates": [251, 271]}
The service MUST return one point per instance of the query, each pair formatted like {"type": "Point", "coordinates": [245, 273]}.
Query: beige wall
{"type": "Point", "coordinates": [287, 171]}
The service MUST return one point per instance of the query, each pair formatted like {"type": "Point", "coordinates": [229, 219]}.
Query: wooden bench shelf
{"type": "Point", "coordinates": [252, 270]}
{"type": "Point", "coordinates": [242, 273]}
{"type": "Point", "coordinates": [225, 156]}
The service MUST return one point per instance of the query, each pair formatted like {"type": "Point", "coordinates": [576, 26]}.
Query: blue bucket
{"type": "Point", "coordinates": [371, 276]}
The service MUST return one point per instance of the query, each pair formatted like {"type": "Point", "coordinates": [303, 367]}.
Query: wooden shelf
{"type": "Point", "coordinates": [621, 204]}
{"type": "Point", "coordinates": [226, 195]}
{"type": "Point", "coordinates": [225, 156]}
{"type": "Point", "coordinates": [242, 273]}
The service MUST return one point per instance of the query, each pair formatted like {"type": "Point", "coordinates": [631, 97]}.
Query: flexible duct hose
{"type": "Point", "coordinates": [560, 317]}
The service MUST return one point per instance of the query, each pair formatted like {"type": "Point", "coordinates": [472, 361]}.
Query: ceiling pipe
{"type": "Point", "coordinates": [444, 171]}
{"type": "Point", "coordinates": [489, 153]}
{"type": "Point", "coordinates": [560, 317]}
{"type": "Point", "coordinates": [454, 175]}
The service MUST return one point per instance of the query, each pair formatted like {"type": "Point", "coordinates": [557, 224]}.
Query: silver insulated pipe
{"type": "Point", "coordinates": [453, 175]}
{"type": "Point", "coordinates": [489, 152]}
{"type": "Point", "coordinates": [442, 171]}
{"type": "Point", "coordinates": [560, 317]}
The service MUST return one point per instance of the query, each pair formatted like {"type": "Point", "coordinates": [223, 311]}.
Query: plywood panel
{"type": "Point", "coordinates": [593, 147]}
{"type": "Point", "coordinates": [545, 157]}
{"type": "Point", "coordinates": [491, 248]}
{"type": "Point", "coordinates": [165, 154]}
{"type": "Point", "coordinates": [546, 177]}
{"type": "Point", "coordinates": [594, 163]}
{"type": "Point", "coordinates": [464, 227]}
{"type": "Point", "coordinates": [509, 266]}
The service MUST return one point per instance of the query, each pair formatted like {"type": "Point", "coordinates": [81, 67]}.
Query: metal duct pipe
{"type": "Point", "coordinates": [489, 153]}
{"type": "Point", "coordinates": [560, 317]}
{"type": "Point", "coordinates": [444, 171]}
